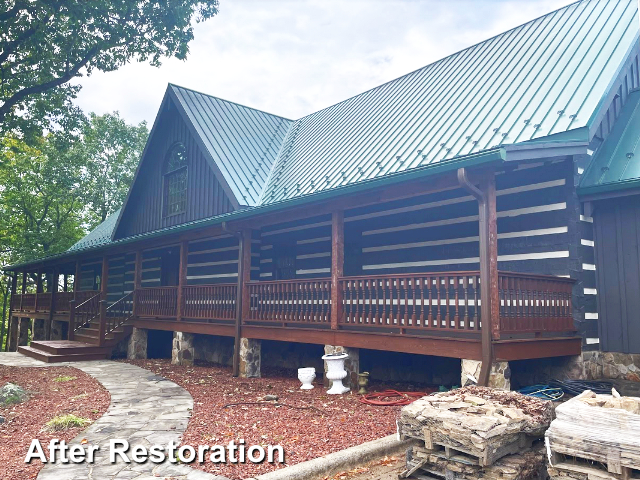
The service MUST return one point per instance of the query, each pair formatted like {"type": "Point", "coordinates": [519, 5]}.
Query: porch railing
{"type": "Point", "coordinates": [41, 302]}
{"type": "Point", "coordinates": [84, 313]}
{"type": "Point", "coordinates": [534, 303]}
{"type": "Point", "coordinates": [433, 301]}
{"type": "Point", "coordinates": [118, 313]}
{"type": "Point", "coordinates": [210, 301]}
{"type": "Point", "coordinates": [156, 302]}
{"type": "Point", "coordinates": [291, 301]}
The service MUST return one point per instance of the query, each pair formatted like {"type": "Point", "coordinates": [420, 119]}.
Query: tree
{"type": "Point", "coordinates": [109, 150]}
{"type": "Point", "coordinates": [41, 198]}
{"type": "Point", "coordinates": [46, 43]}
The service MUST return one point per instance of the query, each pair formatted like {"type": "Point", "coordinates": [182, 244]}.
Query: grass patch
{"type": "Point", "coordinates": [63, 378]}
{"type": "Point", "coordinates": [64, 422]}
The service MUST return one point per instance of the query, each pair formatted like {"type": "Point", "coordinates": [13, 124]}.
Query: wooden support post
{"type": "Point", "coordinates": [244, 275]}
{"type": "Point", "coordinates": [182, 278]}
{"type": "Point", "coordinates": [38, 288]}
{"type": "Point", "coordinates": [103, 323]}
{"type": "Point", "coordinates": [72, 319]}
{"type": "Point", "coordinates": [104, 280]}
{"type": "Point", "coordinates": [137, 280]}
{"type": "Point", "coordinates": [488, 187]}
{"type": "Point", "coordinates": [76, 277]}
{"type": "Point", "coordinates": [337, 266]}
{"type": "Point", "coordinates": [65, 284]}
{"type": "Point", "coordinates": [24, 287]}
{"type": "Point", "coordinates": [54, 290]}
{"type": "Point", "coordinates": [489, 295]}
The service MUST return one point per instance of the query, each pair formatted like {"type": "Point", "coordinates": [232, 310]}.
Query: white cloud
{"type": "Point", "coordinates": [292, 58]}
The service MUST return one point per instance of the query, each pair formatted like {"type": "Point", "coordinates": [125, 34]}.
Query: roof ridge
{"type": "Point", "coordinates": [230, 101]}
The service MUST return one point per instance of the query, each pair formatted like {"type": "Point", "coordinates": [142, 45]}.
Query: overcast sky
{"type": "Point", "coordinates": [294, 57]}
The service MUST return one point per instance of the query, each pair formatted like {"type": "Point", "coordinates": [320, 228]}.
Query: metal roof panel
{"type": "Point", "coordinates": [542, 78]}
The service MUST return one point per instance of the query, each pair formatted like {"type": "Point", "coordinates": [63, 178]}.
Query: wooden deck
{"type": "Point", "coordinates": [430, 313]}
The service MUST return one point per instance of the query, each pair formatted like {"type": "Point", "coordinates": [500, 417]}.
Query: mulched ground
{"type": "Point", "coordinates": [84, 397]}
{"type": "Point", "coordinates": [340, 421]}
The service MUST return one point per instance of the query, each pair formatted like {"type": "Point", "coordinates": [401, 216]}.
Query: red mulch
{"type": "Point", "coordinates": [304, 434]}
{"type": "Point", "coordinates": [47, 398]}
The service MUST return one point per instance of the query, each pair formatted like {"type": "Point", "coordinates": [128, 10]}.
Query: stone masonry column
{"type": "Point", "coordinates": [23, 331]}
{"type": "Point", "coordinates": [499, 378]}
{"type": "Point", "coordinates": [57, 330]}
{"type": "Point", "coordinates": [12, 339]}
{"type": "Point", "coordinates": [137, 347]}
{"type": "Point", "coordinates": [351, 365]}
{"type": "Point", "coordinates": [250, 354]}
{"type": "Point", "coordinates": [183, 351]}
{"type": "Point", "coordinates": [39, 332]}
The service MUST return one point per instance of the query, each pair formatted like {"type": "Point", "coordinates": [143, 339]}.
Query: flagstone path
{"type": "Point", "coordinates": [146, 409]}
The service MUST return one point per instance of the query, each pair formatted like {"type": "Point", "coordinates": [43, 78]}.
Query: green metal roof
{"type": "Point", "coordinates": [545, 77]}
{"type": "Point", "coordinates": [616, 163]}
{"type": "Point", "coordinates": [544, 80]}
{"type": "Point", "coordinates": [242, 141]}
{"type": "Point", "coordinates": [101, 235]}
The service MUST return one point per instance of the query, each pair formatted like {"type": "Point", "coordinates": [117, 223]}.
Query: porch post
{"type": "Point", "coordinates": [182, 278]}
{"type": "Point", "coordinates": [24, 287]}
{"type": "Point", "coordinates": [137, 280]}
{"type": "Point", "coordinates": [337, 266]}
{"type": "Point", "coordinates": [242, 299]}
{"type": "Point", "coordinates": [490, 240]}
{"type": "Point", "coordinates": [38, 288]}
{"type": "Point", "coordinates": [65, 284]}
{"type": "Point", "coordinates": [54, 291]}
{"type": "Point", "coordinates": [104, 280]}
{"type": "Point", "coordinates": [489, 295]}
{"type": "Point", "coordinates": [76, 278]}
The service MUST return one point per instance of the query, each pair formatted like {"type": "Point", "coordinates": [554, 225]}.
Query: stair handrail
{"type": "Point", "coordinates": [122, 303]}
{"type": "Point", "coordinates": [76, 310]}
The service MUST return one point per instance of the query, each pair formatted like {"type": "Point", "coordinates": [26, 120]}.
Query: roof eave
{"type": "Point", "coordinates": [481, 159]}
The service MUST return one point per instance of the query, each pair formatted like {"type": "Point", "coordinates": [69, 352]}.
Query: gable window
{"type": "Point", "coordinates": [175, 180]}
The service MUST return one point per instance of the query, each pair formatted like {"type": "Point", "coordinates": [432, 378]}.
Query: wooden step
{"type": "Point", "coordinates": [48, 357]}
{"type": "Point", "coordinates": [66, 347]}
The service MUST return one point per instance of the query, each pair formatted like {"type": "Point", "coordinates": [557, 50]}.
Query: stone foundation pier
{"type": "Point", "coordinates": [183, 351]}
{"type": "Point", "coordinates": [500, 376]}
{"type": "Point", "coordinates": [137, 347]}
{"type": "Point", "coordinates": [250, 357]}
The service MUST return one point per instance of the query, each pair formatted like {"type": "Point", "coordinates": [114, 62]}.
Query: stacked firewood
{"type": "Point", "coordinates": [595, 436]}
{"type": "Point", "coordinates": [475, 432]}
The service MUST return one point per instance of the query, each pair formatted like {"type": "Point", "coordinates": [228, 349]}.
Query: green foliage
{"type": "Point", "coordinates": [45, 44]}
{"type": "Point", "coordinates": [65, 422]}
{"type": "Point", "coordinates": [109, 150]}
{"type": "Point", "coordinates": [64, 378]}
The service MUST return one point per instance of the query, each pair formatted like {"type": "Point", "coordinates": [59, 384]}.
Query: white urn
{"type": "Point", "coordinates": [336, 372]}
{"type": "Point", "coordinates": [306, 376]}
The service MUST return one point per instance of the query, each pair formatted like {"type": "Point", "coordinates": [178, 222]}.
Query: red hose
{"type": "Point", "coordinates": [389, 398]}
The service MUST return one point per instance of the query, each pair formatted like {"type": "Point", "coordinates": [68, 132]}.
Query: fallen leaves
{"type": "Point", "coordinates": [320, 425]}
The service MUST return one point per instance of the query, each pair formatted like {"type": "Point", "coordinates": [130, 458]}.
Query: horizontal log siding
{"type": "Point", "coordinates": [151, 268]}
{"type": "Point", "coordinates": [205, 195]}
{"type": "Point", "coordinates": [89, 271]}
{"type": "Point", "coordinates": [121, 273]}
{"type": "Point", "coordinates": [439, 232]}
{"type": "Point", "coordinates": [308, 239]}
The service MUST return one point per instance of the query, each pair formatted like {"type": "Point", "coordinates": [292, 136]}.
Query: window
{"type": "Point", "coordinates": [175, 180]}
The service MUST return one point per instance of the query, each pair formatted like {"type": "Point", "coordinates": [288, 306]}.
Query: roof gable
{"type": "Point", "coordinates": [241, 142]}
{"type": "Point", "coordinates": [542, 78]}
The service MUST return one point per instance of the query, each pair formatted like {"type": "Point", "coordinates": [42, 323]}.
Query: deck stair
{"type": "Point", "coordinates": [86, 342]}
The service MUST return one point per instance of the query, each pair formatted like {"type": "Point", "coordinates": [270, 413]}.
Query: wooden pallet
{"type": "Point", "coordinates": [464, 455]}
{"type": "Point", "coordinates": [530, 463]}
{"type": "Point", "coordinates": [593, 470]}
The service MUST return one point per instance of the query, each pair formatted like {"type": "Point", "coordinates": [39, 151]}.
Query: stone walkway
{"type": "Point", "coordinates": [146, 409]}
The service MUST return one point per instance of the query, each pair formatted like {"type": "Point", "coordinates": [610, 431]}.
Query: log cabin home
{"type": "Point", "coordinates": [435, 215]}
